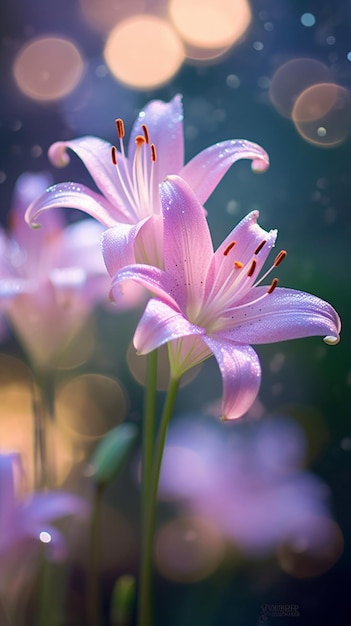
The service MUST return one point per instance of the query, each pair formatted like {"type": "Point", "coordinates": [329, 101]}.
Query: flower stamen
{"type": "Point", "coordinates": [277, 261]}
{"type": "Point", "coordinates": [273, 285]}
{"type": "Point", "coordinates": [114, 155]}
{"type": "Point", "coordinates": [137, 180]}
{"type": "Point", "coordinates": [234, 288]}
{"type": "Point", "coordinates": [120, 128]}
{"type": "Point", "coordinates": [252, 268]}
{"type": "Point", "coordinates": [279, 258]}
{"type": "Point", "coordinates": [271, 288]}
{"type": "Point", "coordinates": [229, 248]}
{"type": "Point", "coordinates": [260, 246]}
{"type": "Point", "coordinates": [146, 133]}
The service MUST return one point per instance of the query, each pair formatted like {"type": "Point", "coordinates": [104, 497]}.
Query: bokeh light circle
{"type": "Point", "coordinates": [102, 14]}
{"type": "Point", "coordinates": [207, 24]}
{"type": "Point", "coordinates": [143, 51]}
{"type": "Point", "coordinates": [48, 68]}
{"type": "Point", "coordinates": [315, 548]}
{"type": "Point", "coordinates": [294, 77]}
{"type": "Point", "coordinates": [17, 393]}
{"type": "Point", "coordinates": [89, 405]}
{"type": "Point", "coordinates": [308, 20]}
{"type": "Point", "coordinates": [322, 114]}
{"type": "Point", "coordinates": [188, 549]}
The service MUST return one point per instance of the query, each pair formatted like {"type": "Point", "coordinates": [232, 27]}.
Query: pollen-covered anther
{"type": "Point", "coordinates": [120, 128]}
{"type": "Point", "coordinates": [252, 268]}
{"type": "Point", "coordinates": [238, 265]}
{"type": "Point", "coordinates": [153, 153]}
{"type": "Point", "coordinates": [279, 258]}
{"type": "Point", "coordinates": [260, 246]}
{"type": "Point", "coordinates": [229, 248]}
{"type": "Point", "coordinates": [273, 285]}
{"type": "Point", "coordinates": [114, 155]}
{"type": "Point", "coordinates": [146, 133]}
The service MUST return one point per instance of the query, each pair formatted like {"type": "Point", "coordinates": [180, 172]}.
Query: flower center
{"type": "Point", "coordinates": [231, 287]}
{"type": "Point", "coordinates": [137, 179]}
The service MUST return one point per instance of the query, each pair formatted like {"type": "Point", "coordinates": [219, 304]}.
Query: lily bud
{"type": "Point", "coordinates": [112, 452]}
{"type": "Point", "coordinates": [123, 597]}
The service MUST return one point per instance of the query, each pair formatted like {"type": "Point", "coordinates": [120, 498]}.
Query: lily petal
{"type": "Point", "coordinates": [80, 240]}
{"type": "Point", "coordinates": [281, 315]}
{"type": "Point", "coordinates": [96, 156]}
{"type": "Point", "coordinates": [46, 507]}
{"type": "Point", "coordinates": [74, 196]}
{"type": "Point", "coordinates": [188, 246]}
{"type": "Point", "coordinates": [118, 247]}
{"type": "Point", "coordinates": [247, 235]}
{"type": "Point", "coordinates": [164, 121]}
{"type": "Point", "coordinates": [206, 169]}
{"type": "Point", "coordinates": [155, 280]}
{"type": "Point", "coordinates": [160, 324]}
{"type": "Point", "coordinates": [241, 375]}
{"type": "Point", "coordinates": [148, 244]}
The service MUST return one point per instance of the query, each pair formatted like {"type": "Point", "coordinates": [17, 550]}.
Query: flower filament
{"type": "Point", "coordinates": [224, 294]}
{"type": "Point", "coordinates": [138, 179]}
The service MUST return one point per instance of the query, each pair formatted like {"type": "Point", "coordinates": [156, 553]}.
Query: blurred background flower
{"type": "Point", "coordinates": [250, 482]}
{"type": "Point", "coordinates": [50, 280]}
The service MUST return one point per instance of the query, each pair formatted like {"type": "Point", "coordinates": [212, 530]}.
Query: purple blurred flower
{"type": "Point", "coordinates": [213, 302]}
{"type": "Point", "coordinates": [248, 481]}
{"type": "Point", "coordinates": [28, 520]}
{"type": "Point", "coordinates": [129, 198]}
{"type": "Point", "coordinates": [51, 278]}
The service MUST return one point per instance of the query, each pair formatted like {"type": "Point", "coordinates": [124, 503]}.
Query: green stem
{"type": "Point", "coordinates": [148, 429]}
{"type": "Point", "coordinates": [145, 609]}
{"type": "Point", "coordinates": [46, 602]}
{"type": "Point", "coordinates": [148, 443]}
{"type": "Point", "coordinates": [93, 597]}
{"type": "Point", "coordinates": [43, 402]}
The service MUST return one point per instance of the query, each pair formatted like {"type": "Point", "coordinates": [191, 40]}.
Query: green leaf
{"type": "Point", "coordinates": [112, 452]}
{"type": "Point", "coordinates": [123, 597]}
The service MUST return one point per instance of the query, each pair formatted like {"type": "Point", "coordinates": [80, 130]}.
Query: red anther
{"type": "Point", "coordinates": [153, 153]}
{"type": "Point", "coordinates": [140, 140]}
{"type": "Point", "coordinates": [252, 268]}
{"type": "Point", "coordinates": [120, 128]}
{"type": "Point", "coordinates": [279, 258]}
{"type": "Point", "coordinates": [229, 248]}
{"type": "Point", "coordinates": [238, 265]}
{"type": "Point", "coordinates": [274, 283]}
{"type": "Point", "coordinates": [146, 133]}
{"type": "Point", "coordinates": [114, 155]}
{"type": "Point", "coordinates": [260, 246]}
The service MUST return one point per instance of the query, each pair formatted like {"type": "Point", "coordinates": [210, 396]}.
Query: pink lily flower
{"type": "Point", "coordinates": [129, 198]}
{"type": "Point", "coordinates": [51, 279]}
{"type": "Point", "coordinates": [28, 520]}
{"type": "Point", "coordinates": [213, 302]}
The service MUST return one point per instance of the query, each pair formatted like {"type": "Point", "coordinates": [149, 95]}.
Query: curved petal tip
{"type": "Point", "coordinates": [58, 155]}
{"type": "Point", "coordinates": [225, 418]}
{"type": "Point", "coordinates": [259, 166]}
